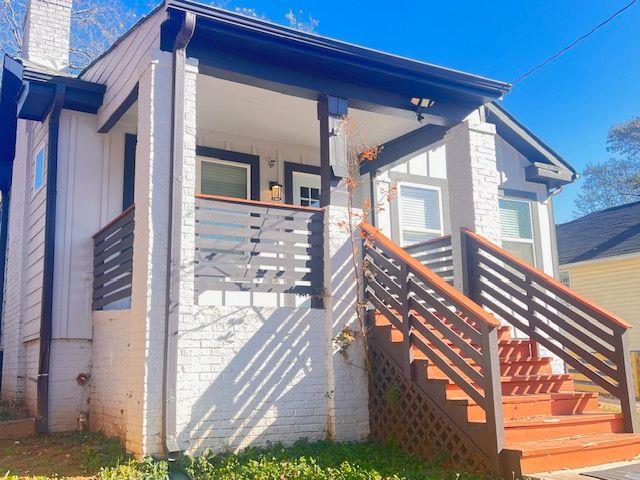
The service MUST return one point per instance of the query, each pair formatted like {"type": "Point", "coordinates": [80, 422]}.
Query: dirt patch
{"type": "Point", "coordinates": [72, 456]}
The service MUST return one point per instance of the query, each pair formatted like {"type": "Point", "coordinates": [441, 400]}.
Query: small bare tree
{"type": "Point", "coordinates": [97, 24]}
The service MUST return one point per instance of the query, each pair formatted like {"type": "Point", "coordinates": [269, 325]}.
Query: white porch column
{"type": "Point", "coordinates": [473, 179]}
{"type": "Point", "coordinates": [153, 154]}
{"type": "Point", "coordinates": [348, 416]}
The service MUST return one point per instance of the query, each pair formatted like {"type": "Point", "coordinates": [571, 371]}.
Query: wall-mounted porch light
{"type": "Point", "coordinates": [276, 191]}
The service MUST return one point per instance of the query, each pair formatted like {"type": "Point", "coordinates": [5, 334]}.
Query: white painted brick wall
{"type": "Point", "coordinates": [109, 371]}
{"type": "Point", "coordinates": [14, 363]}
{"type": "Point", "coordinates": [251, 375]}
{"type": "Point", "coordinates": [473, 185]}
{"type": "Point", "coordinates": [47, 33]}
{"type": "Point", "coordinates": [67, 398]}
{"type": "Point", "coordinates": [32, 349]}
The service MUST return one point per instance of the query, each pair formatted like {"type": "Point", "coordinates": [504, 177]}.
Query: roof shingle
{"type": "Point", "coordinates": [607, 233]}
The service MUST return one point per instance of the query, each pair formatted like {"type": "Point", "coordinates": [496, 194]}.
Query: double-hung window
{"type": "Point", "coordinates": [516, 228]}
{"type": "Point", "coordinates": [224, 178]}
{"type": "Point", "coordinates": [419, 212]}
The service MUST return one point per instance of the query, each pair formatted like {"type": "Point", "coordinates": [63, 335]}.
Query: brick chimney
{"type": "Point", "coordinates": [46, 33]}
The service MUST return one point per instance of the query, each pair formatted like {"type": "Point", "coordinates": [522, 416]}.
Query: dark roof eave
{"type": "Point", "coordinates": [484, 89]}
{"type": "Point", "coordinates": [525, 141]}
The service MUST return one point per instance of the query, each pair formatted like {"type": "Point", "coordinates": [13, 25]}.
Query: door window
{"type": "Point", "coordinates": [306, 189]}
{"type": "Point", "coordinates": [220, 177]}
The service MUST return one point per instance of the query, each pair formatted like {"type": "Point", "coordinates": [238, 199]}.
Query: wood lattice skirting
{"type": "Point", "coordinates": [401, 412]}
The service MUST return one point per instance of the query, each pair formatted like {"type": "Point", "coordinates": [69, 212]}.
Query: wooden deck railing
{"type": "Point", "coordinates": [411, 296]}
{"type": "Point", "coordinates": [435, 254]}
{"type": "Point", "coordinates": [250, 246]}
{"type": "Point", "coordinates": [590, 339]}
{"type": "Point", "coordinates": [113, 260]}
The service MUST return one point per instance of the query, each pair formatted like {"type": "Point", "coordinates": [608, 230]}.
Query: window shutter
{"type": "Point", "coordinates": [223, 179]}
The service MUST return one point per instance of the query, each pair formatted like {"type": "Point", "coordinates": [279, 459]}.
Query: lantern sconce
{"type": "Point", "coordinates": [276, 191]}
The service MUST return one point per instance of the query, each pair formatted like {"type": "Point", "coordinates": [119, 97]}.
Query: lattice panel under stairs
{"type": "Point", "coordinates": [400, 411]}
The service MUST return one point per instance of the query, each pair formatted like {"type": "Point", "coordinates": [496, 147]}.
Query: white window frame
{"type": "Point", "coordinates": [440, 231]}
{"type": "Point", "coordinates": [532, 240]}
{"type": "Point", "coordinates": [200, 159]}
{"type": "Point", "coordinates": [295, 174]}
{"type": "Point", "coordinates": [36, 187]}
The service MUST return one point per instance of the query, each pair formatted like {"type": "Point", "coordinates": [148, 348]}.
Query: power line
{"type": "Point", "coordinates": [574, 43]}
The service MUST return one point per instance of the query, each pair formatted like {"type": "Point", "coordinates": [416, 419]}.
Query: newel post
{"type": "Point", "coordinates": [625, 379]}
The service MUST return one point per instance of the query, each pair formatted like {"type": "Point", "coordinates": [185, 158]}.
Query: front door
{"type": "Point", "coordinates": [306, 189]}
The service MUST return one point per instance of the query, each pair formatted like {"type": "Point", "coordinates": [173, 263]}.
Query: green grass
{"type": "Point", "coordinates": [92, 456]}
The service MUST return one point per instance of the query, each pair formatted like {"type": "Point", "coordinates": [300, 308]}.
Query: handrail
{"type": "Point", "coordinates": [421, 271]}
{"type": "Point", "coordinates": [259, 203]}
{"type": "Point", "coordinates": [542, 276]}
{"type": "Point", "coordinates": [584, 335]}
{"type": "Point", "coordinates": [111, 222]}
{"type": "Point", "coordinates": [426, 243]}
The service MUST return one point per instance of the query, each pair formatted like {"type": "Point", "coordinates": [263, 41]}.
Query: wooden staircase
{"type": "Point", "coordinates": [498, 394]}
{"type": "Point", "coordinates": [553, 426]}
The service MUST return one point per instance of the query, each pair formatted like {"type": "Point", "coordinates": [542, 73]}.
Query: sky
{"type": "Point", "coordinates": [570, 104]}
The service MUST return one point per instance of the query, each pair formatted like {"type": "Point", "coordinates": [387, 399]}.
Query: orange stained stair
{"type": "Point", "coordinates": [553, 426]}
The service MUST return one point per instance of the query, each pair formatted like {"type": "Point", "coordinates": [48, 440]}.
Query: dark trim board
{"type": "Point", "coordinates": [289, 168]}
{"type": "Point", "coordinates": [121, 110]}
{"type": "Point", "coordinates": [230, 156]}
{"type": "Point", "coordinates": [129, 174]}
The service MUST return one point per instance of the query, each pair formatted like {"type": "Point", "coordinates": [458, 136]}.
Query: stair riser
{"type": "Point", "coordinates": [595, 455]}
{"type": "Point", "coordinates": [512, 411]}
{"type": "Point", "coordinates": [571, 406]}
{"type": "Point", "coordinates": [506, 369]}
{"type": "Point", "coordinates": [559, 430]}
{"type": "Point", "coordinates": [523, 388]}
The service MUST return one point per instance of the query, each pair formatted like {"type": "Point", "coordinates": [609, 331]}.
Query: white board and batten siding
{"type": "Point", "coordinates": [121, 68]}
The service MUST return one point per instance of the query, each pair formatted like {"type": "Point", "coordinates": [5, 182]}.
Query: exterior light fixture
{"type": "Point", "coordinates": [276, 191]}
{"type": "Point", "coordinates": [421, 104]}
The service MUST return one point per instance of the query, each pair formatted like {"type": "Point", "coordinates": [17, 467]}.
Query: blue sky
{"type": "Point", "coordinates": [570, 104]}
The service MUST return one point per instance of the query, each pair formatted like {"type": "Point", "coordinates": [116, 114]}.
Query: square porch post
{"type": "Point", "coordinates": [347, 416]}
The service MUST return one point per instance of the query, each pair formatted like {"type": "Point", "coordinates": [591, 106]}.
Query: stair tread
{"type": "Point", "coordinates": [533, 397]}
{"type": "Point", "coordinates": [578, 442]}
{"type": "Point", "coordinates": [562, 419]}
{"type": "Point", "coordinates": [544, 377]}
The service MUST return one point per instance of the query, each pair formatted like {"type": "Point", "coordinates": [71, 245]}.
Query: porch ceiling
{"type": "Point", "coordinates": [240, 109]}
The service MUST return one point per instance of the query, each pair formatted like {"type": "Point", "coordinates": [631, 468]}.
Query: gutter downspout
{"type": "Point", "coordinates": [172, 448]}
{"type": "Point", "coordinates": [46, 313]}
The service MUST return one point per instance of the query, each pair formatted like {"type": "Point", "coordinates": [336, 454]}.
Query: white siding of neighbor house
{"type": "Point", "coordinates": [123, 66]}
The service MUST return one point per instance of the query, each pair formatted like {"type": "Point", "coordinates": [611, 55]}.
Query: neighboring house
{"type": "Point", "coordinates": [599, 257]}
{"type": "Point", "coordinates": [177, 266]}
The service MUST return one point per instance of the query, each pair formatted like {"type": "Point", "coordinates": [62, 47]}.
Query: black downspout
{"type": "Point", "coordinates": [169, 427]}
{"type": "Point", "coordinates": [46, 312]}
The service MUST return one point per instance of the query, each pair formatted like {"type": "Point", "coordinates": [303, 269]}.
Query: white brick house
{"type": "Point", "coordinates": [164, 152]}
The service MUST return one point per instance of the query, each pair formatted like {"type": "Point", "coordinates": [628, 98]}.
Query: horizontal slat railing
{"type": "Point", "coordinates": [250, 246]}
{"type": "Point", "coordinates": [435, 254]}
{"type": "Point", "coordinates": [588, 338]}
{"type": "Point", "coordinates": [412, 298]}
{"type": "Point", "coordinates": [113, 260]}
